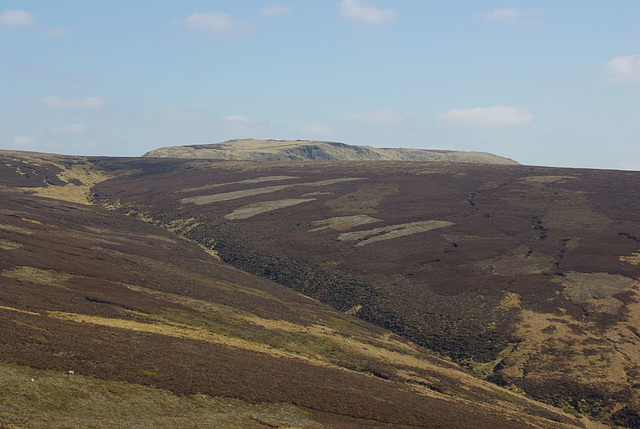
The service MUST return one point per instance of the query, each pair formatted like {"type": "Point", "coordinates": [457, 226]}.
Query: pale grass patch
{"type": "Point", "coordinates": [17, 310]}
{"type": "Point", "coordinates": [330, 181]}
{"type": "Point", "coordinates": [37, 222]}
{"type": "Point", "coordinates": [183, 226]}
{"type": "Point", "coordinates": [229, 313]}
{"type": "Point", "coordinates": [227, 196]}
{"type": "Point", "coordinates": [343, 223]}
{"type": "Point", "coordinates": [10, 245]}
{"type": "Point", "coordinates": [81, 171]}
{"type": "Point", "coordinates": [518, 261]}
{"type": "Point", "coordinates": [233, 195]}
{"type": "Point", "coordinates": [547, 179]}
{"type": "Point", "coordinates": [142, 216]}
{"type": "Point", "coordinates": [595, 290]}
{"type": "Point", "coordinates": [159, 238]}
{"type": "Point", "coordinates": [353, 311]}
{"type": "Point", "coordinates": [37, 275]}
{"type": "Point", "coordinates": [633, 259]}
{"type": "Point", "coordinates": [251, 210]}
{"type": "Point", "coordinates": [112, 205]}
{"type": "Point", "coordinates": [510, 300]}
{"type": "Point", "coordinates": [177, 330]}
{"type": "Point", "coordinates": [208, 251]}
{"type": "Point", "coordinates": [317, 194]}
{"type": "Point", "coordinates": [392, 231]}
{"type": "Point", "coordinates": [13, 228]}
{"type": "Point", "coordinates": [239, 182]}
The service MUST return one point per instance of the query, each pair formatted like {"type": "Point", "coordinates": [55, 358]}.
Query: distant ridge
{"type": "Point", "coordinates": [308, 150]}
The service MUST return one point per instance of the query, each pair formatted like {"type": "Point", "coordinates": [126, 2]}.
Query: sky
{"type": "Point", "coordinates": [554, 83]}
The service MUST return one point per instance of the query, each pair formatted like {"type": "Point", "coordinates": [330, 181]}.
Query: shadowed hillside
{"type": "Point", "coordinates": [303, 150]}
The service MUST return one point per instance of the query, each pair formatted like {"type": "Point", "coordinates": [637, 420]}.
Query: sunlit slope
{"type": "Point", "coordinates": [527, 275]}
{"type": "Point", "coordinates": [305, 150]}
{"type": "Point", "coordinates": [98, 310]}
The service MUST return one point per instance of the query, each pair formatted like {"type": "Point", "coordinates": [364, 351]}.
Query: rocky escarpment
{"type": "Point", "coordinates": [304, 150]}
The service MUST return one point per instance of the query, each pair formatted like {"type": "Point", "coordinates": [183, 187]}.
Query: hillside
{"type": "Point", "coordinates": [108, 320]}
{"type": "Point", "coordinates": [303, 150]}
{"type": "Point", "coordinates": [528, 276]}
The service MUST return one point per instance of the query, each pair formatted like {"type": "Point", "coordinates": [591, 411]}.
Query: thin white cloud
{"type": "Point", "coordinates": [179, 114]}
{"type": "Point", "coordinates": [192, 121]}
{"type": "Point", "coordinates": [56, 31]}
{"type": "Point", "coordinates": [364, 12]}
{"type": "Point", "coordinates": [16, 18]}
{"type": "Point", "coordinates": [217, 24]}
{"type": "Point", "coordinates": [23, 142]}
{"type": "Point", "coordinates": [236, 118]}
{"type": "Point", "coordinates": [625, 68]}
{"type": "Point", "coordinates": [70, 129]}
{"type": "Point", "coordinates": [514, 16]}
{"type": "Point", "coordinates": [491, 117]}
{"type": "Point", "coordinates": [56, 102]}
{"type": "Point", "coordinates": [225, 24]}
{"type": "Point", "coordinates": [376, 117]}
{"type": "Point", "coordinates": [21, 18]}
{"type": "Point", "coordinates": [273, 10]}
{"type": "Point", "coordinates": [314, 130]}
{"type": "Point", "coordinates": [235, 126]}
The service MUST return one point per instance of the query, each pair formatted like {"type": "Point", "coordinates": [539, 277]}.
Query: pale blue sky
{"type": "Point", "coordinates": [544, 82]}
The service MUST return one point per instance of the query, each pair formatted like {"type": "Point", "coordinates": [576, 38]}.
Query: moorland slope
{"type": "Point", "coordinates": [109, 320]}
{"type": "Point", "coordinates": [526, 275]}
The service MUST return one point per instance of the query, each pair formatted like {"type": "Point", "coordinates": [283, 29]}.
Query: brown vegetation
{"type": "Point", "coordinates": [538, 234]}
{"type": "Point", "coordinates": [528, 280]}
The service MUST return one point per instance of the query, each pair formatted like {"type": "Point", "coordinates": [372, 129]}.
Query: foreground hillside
{"type": "Point", "coordinates": [526, 275]}
{"type": "Point", "coordinates": [304, 150]}
{"type": "Point", "coordinates": [110, 321]}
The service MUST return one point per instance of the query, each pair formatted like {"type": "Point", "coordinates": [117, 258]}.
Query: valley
{"type": "Point", "coordinates": [451, 293]}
